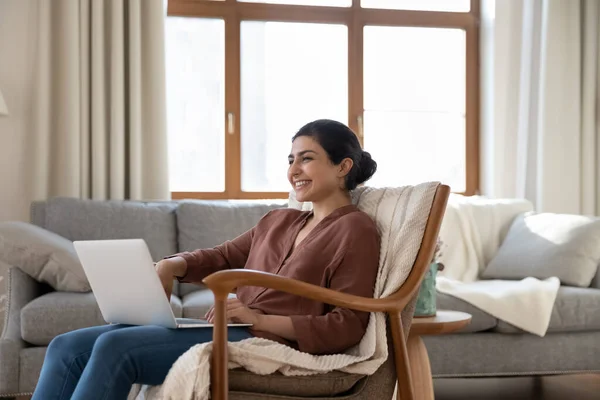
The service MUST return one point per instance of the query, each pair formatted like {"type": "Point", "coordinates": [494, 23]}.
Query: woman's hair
{"type": "Point", "coordinates": [340, 142]}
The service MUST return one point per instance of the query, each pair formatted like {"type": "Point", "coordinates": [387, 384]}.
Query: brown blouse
{"type": "Point", "coordinates": [340, 253]}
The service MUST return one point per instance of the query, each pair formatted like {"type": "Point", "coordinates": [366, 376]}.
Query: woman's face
{"type": "Point", "coordinates": [312, 174]}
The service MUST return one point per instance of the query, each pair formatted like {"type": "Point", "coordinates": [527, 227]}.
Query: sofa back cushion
{"type": "Point", "coordinates": [77, 219]}
{"type": "Point", "coordinates": [206, 224]}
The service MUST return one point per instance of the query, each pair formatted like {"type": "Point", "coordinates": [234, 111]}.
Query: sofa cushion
{"type": "Point", "coordinates": [480, 321]}
{"type": "Point", "coordinates": [176, 306]}
{"type": "Point", "coordinates": [206, 224]}
{"type": "Point", "coordinates": [78, 219]}
{"type": "Point", "coordinates": [56, 313]}
{"type": "Point", "coordinates": [45, 256]}
{"type": "Point", "coordinates": [320, 385]}
{"type": "Point", "coordinates": [546, 245]}
{"type": "Point", "coordinates": [575, 310]}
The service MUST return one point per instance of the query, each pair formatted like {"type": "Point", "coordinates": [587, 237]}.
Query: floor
{"type": "Point", "coordinates": [560, 387]}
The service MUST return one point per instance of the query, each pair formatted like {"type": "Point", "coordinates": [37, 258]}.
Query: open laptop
{"type": "Point", "coordinates": [127, 288]}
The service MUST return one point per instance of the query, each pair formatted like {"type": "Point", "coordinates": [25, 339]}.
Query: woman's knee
{"type": "Point", "coordinates": [114, 351]}
{"type": "Point", "coordinates": [68, 344]}
{"type": "Point", "coordinates": [116, 343]}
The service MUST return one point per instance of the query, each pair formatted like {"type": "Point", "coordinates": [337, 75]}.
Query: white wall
{"type": "Point", "coordinates": [18, 19]}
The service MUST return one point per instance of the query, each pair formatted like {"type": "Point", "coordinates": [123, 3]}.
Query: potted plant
{"type": "Point", "coordinates": [426, 299]}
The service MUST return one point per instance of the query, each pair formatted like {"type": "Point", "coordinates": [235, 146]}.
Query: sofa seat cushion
{"type": "Point", "coordinates": [177, 306]}
{"type": "Point", "coordinates": [481, 321]}
{"type": "Point", "coordinates": [56, 313]}
{"type": "Point", "coordinates": [196, 304]}
{"type": "Point", "coordinates": [575, 310]}
{"type": "Point", "coordinates": [320, 385]}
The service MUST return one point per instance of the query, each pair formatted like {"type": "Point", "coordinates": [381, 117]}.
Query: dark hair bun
{"type": "Point", "coordinates": [366, 168]}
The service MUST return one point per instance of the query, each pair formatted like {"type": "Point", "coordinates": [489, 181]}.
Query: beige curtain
{"type": "Point", "coordinates": [99, 114]}
{"type": "Point", "coordinates": [540, 130]}
{"type": "Point", "coordinates": [590, 107]}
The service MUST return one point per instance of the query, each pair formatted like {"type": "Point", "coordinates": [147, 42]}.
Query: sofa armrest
{"type": "Point", "coordinates": [596, 281]}
{"type": "Point", "coordinates": [21, 289]}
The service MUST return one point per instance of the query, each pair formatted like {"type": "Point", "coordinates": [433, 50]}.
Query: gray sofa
{"type": "Point", "coordinates": [36, 314]}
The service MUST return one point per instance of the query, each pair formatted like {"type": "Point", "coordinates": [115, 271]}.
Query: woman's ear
{"type": "Point", "coordinates": [345, 166]}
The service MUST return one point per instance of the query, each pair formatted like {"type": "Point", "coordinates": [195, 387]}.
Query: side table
{"type": "Point", "coordinates": [444, 322]}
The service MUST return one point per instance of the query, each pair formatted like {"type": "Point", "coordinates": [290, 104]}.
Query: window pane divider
{"type": "Point", "coordinates": [472, 108]}
{"type": "Point", "coordinates": [355, 73]}
{"type": "Point", "coordinates": [233, 178]}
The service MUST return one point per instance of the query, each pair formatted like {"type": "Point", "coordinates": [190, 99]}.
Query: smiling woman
{"type": "Point", "coordinates": [319, 247]}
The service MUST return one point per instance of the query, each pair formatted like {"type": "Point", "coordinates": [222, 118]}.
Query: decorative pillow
{"type": "Point", "coordinates": [44, 255]}
{"type": "Point", "coordinates": [545, 245]}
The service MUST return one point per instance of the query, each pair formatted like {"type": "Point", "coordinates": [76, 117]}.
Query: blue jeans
{"type": "Point", "coordinates": [104, 362]}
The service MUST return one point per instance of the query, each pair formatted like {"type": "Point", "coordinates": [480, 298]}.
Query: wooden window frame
{"type": "Point", "coordinates": [355, 18]}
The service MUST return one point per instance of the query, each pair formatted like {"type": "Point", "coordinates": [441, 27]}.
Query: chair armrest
{"type": "Point", "coordinates": [223, 282]}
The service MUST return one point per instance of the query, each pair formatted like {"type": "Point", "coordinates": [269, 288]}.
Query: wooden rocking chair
{"type": "Point", "coordinates": [244, 385]}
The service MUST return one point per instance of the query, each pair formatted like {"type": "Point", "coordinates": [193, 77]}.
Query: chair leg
{"type": "Point", "coordinates": [219, 372]}
{"type": "Point", "coordinates": [403, 373]}
{"type": "Point", "coordinates": [420, 368]}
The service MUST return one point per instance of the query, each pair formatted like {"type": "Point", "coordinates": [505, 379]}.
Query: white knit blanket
{"type": "Point", "coordinates": [401, 215]}
{"type": "Point", "coordinates": [472, 231]}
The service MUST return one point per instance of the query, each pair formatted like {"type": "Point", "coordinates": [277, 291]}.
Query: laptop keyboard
{"type": "Point", "coordinates": [191, 321]}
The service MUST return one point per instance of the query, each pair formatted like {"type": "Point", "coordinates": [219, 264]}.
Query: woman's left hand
{"type": "Point", "coordinates": [236, 312]}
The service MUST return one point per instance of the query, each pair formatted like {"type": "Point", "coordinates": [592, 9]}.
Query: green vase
{"type": "Point", "coordinates": [426, 300]}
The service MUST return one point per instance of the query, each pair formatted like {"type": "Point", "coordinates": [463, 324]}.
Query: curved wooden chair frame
{"type": "Point", "coordinates": [224, 282]}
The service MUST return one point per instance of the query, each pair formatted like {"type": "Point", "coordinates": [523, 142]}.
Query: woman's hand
{"type": "Point", "coordinates": [165, 274]}
{"type": "Point", "coordinates": [236, 312]}
{"type": "Point", "coordinates": [168, 269]}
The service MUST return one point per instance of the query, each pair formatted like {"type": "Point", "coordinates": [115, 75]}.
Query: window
{"type": "Point", "coordinates": [279, 59]}
{"type": "Point", "coordinates": [411, 102]}
{"type": "Point", "coordinates": [243, 76]}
